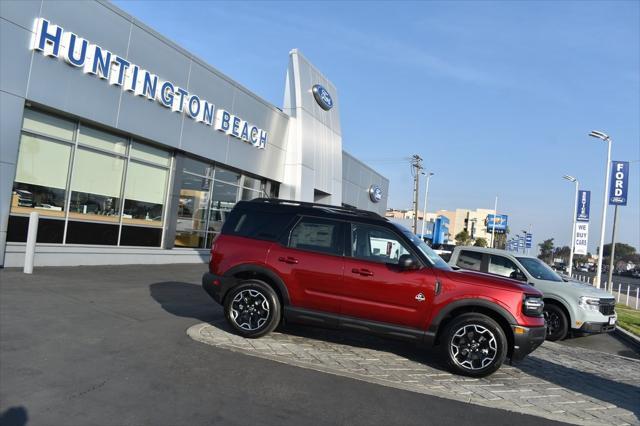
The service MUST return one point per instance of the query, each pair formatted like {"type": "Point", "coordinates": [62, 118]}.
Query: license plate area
{"type": "Point", "coordinates": [612, 320]}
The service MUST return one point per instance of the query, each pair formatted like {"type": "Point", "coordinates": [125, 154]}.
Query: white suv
{"type": "Point", "coordinates": [568, 304]}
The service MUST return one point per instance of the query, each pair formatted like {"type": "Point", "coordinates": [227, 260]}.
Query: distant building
{"type": "Point", "coordinates": [458, 220]}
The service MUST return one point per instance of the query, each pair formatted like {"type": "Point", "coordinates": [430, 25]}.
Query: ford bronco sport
{"type": "Point", "coordinates": [324, 265]}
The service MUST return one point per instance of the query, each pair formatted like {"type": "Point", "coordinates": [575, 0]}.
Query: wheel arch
{"type": "Point", "coordinates": [562, 305]}
{"type": "Point", "coordinates": [260, 272]}
{"type": "Point", "coordinates": [459, 307]}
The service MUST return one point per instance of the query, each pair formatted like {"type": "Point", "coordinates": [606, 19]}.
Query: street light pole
{"type": "Point", "coordinates": [424, 211]}
{"type": "Point", "coordinates": [575, 214]}
{"type": "Point", "coordinates": [607, 139]}
{"type": "Point", "coordinates": [495, 216]}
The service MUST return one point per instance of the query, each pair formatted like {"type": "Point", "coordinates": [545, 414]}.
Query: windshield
{"type": "Point", "coordinates": [435, 260]}
{"type": "Point", "coordinates": [539, 269]}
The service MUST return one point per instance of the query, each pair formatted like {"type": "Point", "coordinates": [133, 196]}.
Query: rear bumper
{"type": "Point", "coordinates": [216, 286]}
{"type": "Point", "coordinates": [526, 340]}
{"type": "Point", "coordinates": [597, 327]}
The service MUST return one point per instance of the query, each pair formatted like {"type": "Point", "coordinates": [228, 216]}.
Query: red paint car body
{"type": "Point", "coordinates": [356, 270]}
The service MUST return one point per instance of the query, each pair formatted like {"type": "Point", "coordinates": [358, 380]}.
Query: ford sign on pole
{"type": "Point", "coordinates": [619, 182]}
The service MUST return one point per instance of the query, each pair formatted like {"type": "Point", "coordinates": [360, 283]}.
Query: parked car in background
{"type": "Point", "coordinates": [568, 304]}
{"type": "Point", "coordinates": [279, 260]}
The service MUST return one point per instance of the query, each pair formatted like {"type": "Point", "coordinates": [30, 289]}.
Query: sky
{"type": "Point", "coordinates": [498, 98]}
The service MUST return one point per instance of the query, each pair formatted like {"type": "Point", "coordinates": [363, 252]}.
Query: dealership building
{"type": "Point", "coordinates": [133, 150]}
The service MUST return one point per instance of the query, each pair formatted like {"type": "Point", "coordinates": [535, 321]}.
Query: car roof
{"type": "Point", "coordinates": [493, 251]}
{"type": "Point", "coordinates": [311, 209]}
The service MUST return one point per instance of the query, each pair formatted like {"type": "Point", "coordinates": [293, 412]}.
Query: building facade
{"type": "Point", "coordinates": [133, 150]}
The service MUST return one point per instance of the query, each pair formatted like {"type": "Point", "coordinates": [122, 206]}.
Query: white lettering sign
{"type": "Point", "coordinates": [581, 238]}
{"type": "Point", "coordinates": [52, 40]}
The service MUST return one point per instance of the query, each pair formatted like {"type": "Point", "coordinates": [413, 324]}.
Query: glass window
{"type": "Point", "coordinates": [376, 244]}
{"type": "Point", "coordinates": [250, 194]}
{"type": "Point", "coordinates": [539, 269]}
{"type": "Point", "coordinates": [470, 260]}
{"type": "Point", "coordinates": [95, 184]}
{"type": "Point", "coordinates": [197, 167]}
{"type": "Point", "coordinates": [192, 211]}
{"type": "Point", "coordinates": [150, 154]}
{"type": "Point", "coordinates": [102, 140]}
{"type": "Point", "coordinates": [140, 236]}
{"type": "Point", "coordinates": [252, 183]}
{"type": "Point", "coordinates": [262, 225]}
{"type": "Point", "coordinates": [47, 124]}
{"type": "Point", "coordinates": [104, 234]}
{"type": "Point", "coordinates": [227, 175]}
{"type": "Point", "coordinates": [321, 235]}
{"type": "Point", "coordinates": [49, 230]}
{"type": "Point", "coordinates": [500, 265]}
{"type": "Point", "coordinates": [41, 176]}
{"type": "Point", "coordinates": [144, 194]}
{"type": "Point", "coordinates": [223, 199]}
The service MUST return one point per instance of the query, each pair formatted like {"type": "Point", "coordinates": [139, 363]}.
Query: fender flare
{"type": "Point", "coordinates": [263, 270]}
{"type": "Point", "coordinates": [560, 301]}
{"type": "Point", "coordinates": [432, 331]}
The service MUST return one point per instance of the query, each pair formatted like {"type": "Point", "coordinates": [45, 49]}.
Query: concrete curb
{"type": "Point", "coordinates": [628, 337]}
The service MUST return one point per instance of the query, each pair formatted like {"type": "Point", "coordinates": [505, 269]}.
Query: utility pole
{"type": "Point", "coordinates": [416, 168]}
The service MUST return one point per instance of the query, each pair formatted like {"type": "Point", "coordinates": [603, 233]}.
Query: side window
{"type": "Point", "coordinates": [469, 260]}
{"type": "Point", "coordinates": [500, 265]}
{"type": "Point", "coordinates": [320, 235]}
{"type": "Point", "coordinates": [257, 224]}
{"type": "Point", "coordinates": [376, 244]}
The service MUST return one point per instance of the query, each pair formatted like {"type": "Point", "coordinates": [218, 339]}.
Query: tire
{"type": "Point", "coordinates": [474, 345]}
{"type": "Point", "coordinates": [252, 308]}
{"type": "Point", "coordinates": [557, 322]}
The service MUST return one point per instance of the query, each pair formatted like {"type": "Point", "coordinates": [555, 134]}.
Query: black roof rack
{"type": "Point", "coordinates": [329, 207]}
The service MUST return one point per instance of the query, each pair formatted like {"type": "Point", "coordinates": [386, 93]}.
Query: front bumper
{"type": "Point", "coordinates": [216, 286]}
{"type": "Point", "coordinates": [597, 327]}
{"type": "Point", "coordinates": [526, 340]}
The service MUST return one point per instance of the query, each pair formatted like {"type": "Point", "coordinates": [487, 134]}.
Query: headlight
{"type": "Point", "coordinates": [589, 303]}
{"type": "Point", "coordinates": [532, 306]}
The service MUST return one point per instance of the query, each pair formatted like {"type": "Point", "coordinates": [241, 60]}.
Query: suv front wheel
{"type": "Point", "coordinates": [474, 345]}
{"type": "Point", "coordinates": [252, 308]}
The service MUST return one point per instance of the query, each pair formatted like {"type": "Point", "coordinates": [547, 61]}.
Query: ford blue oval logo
{"type": "Point", "coordinates": [323, 98]}
{"type": "Point", "coordinates": [375, 193]}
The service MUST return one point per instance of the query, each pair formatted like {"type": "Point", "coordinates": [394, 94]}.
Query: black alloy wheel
{"type": "Point", "coordinates": [557, 323]}
{"type": "Point", "coordinates": [252, 308]}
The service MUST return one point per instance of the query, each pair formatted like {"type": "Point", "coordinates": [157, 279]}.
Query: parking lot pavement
{"type": "Point", "coordinates": [106, 346]}
{"type": "Point", "coordinates": [561, 382]}
{"type": "Point", "coordinates": [605, 342]}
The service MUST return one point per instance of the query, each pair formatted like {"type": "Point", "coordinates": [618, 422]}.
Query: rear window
{"type": "Point", "coordinates": [469, 260]}
{"type": "Point", "coordinates": [260, 225]}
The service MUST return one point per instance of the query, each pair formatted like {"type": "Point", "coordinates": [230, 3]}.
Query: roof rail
{"type": "Point", "coordinates": [336, 209]}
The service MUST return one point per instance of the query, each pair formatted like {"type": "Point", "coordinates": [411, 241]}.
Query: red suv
{"type": "Point", "coordinates": [278, 260]}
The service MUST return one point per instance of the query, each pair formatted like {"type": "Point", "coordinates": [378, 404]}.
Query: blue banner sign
{"type": "Point", "coordinates": [528, 240]}
{"type": "Point", "coordinates": [521, 242]}
{"type": "Point", "coordinates": [619, 183]}
{"type": "Point", "coordinates": [499, 221]}
{"type": "Point", "coordinates": [582, 209]}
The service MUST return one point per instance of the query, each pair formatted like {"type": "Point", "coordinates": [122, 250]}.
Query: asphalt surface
{"type": "Point", "coordinates": [606, 342]}
{"type": "Point", "coordinates": [107, 346]}
{"type": "Point", "coordinates": [617, 279]}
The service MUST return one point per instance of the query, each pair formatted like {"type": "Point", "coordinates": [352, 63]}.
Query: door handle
{"type": "Point", "coordinates": [288, 259]}
{"type": "Point", "coordinates": [363, 272]}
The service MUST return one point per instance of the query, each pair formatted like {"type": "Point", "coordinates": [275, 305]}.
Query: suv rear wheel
{"type": "Point", "coordinates": [557, 323]}
{"type": "Point", "coordinates": [474, 345]}
{"type": "Point", "coordinates": [252, 308]}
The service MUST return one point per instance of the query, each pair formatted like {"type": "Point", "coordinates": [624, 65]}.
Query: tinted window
{"type": "Point", "coordinates": [319, 235]}
{"type": "Point", "coordinates": [469, 260]}
{"type": "Point", "coordinates": [500, 265]}
{"type": "Point", "coordinates": [376, 244]}
{"type": "Point", "coordinates": [257, 224]}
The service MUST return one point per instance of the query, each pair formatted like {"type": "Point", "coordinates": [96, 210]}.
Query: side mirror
{"type": "Point", "coordinates": [517, 275]}
{"type": "Point", "coordinates": [407, 262]}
